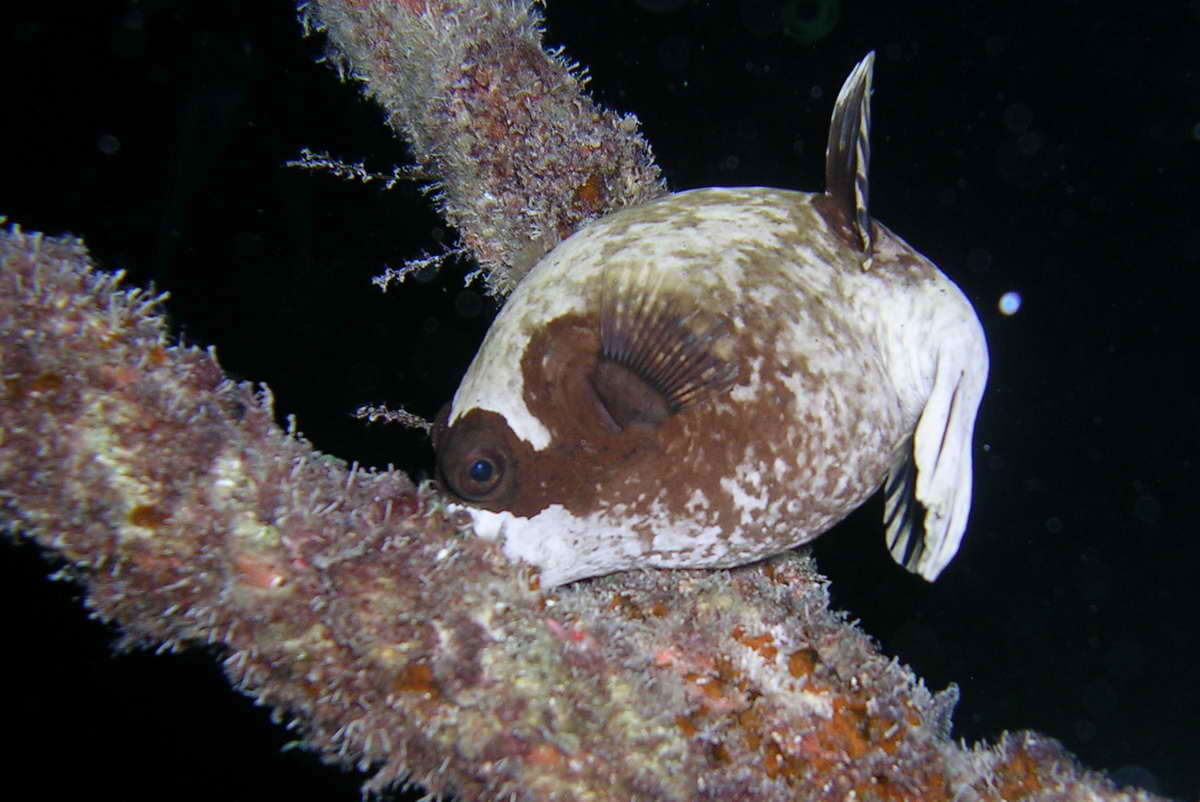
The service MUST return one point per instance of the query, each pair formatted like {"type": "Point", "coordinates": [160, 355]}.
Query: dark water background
{"type": "Point", "coordinates": [1053, 153]}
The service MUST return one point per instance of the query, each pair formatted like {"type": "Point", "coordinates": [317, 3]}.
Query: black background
{"type": "Point", "coordinates": [1052, 152]}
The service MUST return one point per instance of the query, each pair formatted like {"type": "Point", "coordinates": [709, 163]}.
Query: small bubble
{"type": "Point", "coordinates": [1010, 303]}
{"type": "Point", "coordinates": [816, 93]}
{"type": "Point", "coordinates": [1054, 525]}
{"type": "Point", "coordinates": [108, 144]}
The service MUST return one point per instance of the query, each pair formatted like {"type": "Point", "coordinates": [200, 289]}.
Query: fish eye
{"type": "Point", "coordinates": [481, 474]}
{"type": "Point", "coordinates": [481, 470]}
{"type": "Point", "coordinates": [475, 459]}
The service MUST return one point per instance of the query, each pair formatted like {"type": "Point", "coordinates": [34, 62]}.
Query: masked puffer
{"type": "Point", "coordinates": [719, 375]}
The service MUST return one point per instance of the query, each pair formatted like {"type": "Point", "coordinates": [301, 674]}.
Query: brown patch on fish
{"type": "Point", "coordinates": [683, 464]}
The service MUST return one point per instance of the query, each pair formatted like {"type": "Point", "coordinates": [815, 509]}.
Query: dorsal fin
{"type": "Point", "coordinates": [848, 154]}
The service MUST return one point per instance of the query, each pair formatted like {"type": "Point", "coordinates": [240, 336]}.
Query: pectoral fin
{"type": "Point", "coordinates": [903, 515]}
{"type": "Point", "coordinates": [659, 352]}
{"type": "Point", "coordinates": [928, 490]}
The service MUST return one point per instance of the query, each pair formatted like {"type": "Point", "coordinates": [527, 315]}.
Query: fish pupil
{"type": "Point", "coordinates": [481, 470]}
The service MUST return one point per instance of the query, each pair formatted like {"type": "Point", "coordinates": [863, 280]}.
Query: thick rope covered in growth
{"type": "Point", "coordinates": [367, 614]}
{"type": "Point", "coordinates": [355, 605]}
{"type": "Point", "coordinates": [519, 154]}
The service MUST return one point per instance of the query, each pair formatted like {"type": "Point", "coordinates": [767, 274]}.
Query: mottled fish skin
{"type": "Point", "coordinates": [847, 364]}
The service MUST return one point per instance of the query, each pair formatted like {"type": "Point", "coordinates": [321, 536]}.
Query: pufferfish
{"type": "Point", "coordinates": [719, 375]}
